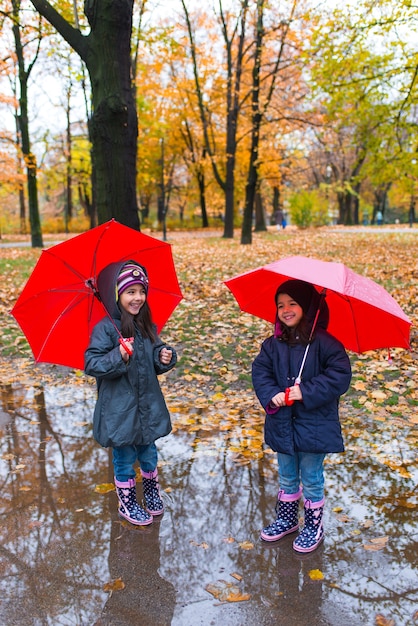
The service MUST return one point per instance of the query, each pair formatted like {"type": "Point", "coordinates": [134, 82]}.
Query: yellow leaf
{"type": "Point", "coordinates": [315, 574]}
{"type": "Point", "coordinates": [104, 488]}
{"type": "Point", "coordinates": [114, 585]}
{"type": "Point", "coordinates": [246, 545]}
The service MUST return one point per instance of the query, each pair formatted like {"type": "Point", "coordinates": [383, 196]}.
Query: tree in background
{"type": "Point", "coordinates": [27, 37]}
{"type": "Point", "coordinates": [106, 51]}
{"type": "Point", "coordinates": [232, 119]}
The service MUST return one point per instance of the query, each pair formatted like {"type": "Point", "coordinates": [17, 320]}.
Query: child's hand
{"type": "Point", "coordinates": [279, 399]}
{"type": "Point", "coordinates": [165, 356]}
{"type": "Point", "coordinates": [126, 348]}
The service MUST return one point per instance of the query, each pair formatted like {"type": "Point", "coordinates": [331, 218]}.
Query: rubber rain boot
{"type": "Point", "coordinates": [128, 505]}
{"type": "Point", "coordinates": [287, 509]}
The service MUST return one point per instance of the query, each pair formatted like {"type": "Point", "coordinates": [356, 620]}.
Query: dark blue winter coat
{"type": "Point", "coordinates": [310, 425]}
{"type": "Point", "coordinates": [130, 408]}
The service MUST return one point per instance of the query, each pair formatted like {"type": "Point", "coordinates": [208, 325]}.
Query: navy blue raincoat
{"type": "Point", "coordinates": [130, 408]}
{"type": "Point", "coordinates": [310, 425]}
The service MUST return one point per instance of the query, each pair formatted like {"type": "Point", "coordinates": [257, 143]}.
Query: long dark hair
{"type": "Point", "coordinates": [299, 334]}
{"type": "Point", "coordinates": [142, 321]}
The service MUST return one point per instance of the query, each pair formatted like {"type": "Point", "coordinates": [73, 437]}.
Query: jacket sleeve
{"type": "Point", "coordinates": [263, 377]}
{"type": "Point", "coordinates": [102, 358]}
{"type": "Point", "coordinates": [334, 377]}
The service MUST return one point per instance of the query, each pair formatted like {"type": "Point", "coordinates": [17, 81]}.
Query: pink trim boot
{"type": "Point", "coordinates": [312, 532]}
{"type": "Point", "coordinates": [128, 505]}
{"type": "Point", "coordinates": [287, 509]}
{"type": "Point", "coordinates": [151, 489]}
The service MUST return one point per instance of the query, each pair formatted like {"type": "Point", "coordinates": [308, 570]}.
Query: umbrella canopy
{"type": "Point", "coordinates": [362, 314]}
{"type": "Point", "coordinates": [58, 309]}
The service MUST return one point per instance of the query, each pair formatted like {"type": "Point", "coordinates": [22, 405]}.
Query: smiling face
{"type": "Point", "coordinates": [133, 298]}
{"type": "Point", "coordinates": [289, 311]}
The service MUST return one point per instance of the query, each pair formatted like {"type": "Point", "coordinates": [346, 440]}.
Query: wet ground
{"type": "Point", "coordinates": [67, 559]}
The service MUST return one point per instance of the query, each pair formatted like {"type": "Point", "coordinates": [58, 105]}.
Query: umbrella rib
{"type": "Point", "coordinates": [67, 265]}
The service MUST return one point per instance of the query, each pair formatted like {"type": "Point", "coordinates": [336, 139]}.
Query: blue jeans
{"type": "Point", "coordinates": [303, 467]}
{"type": "Point", "coordinates": [124, 460]}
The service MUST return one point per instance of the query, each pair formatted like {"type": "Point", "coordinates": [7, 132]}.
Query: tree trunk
{"type": "Point", "coordinates": [260, 216]}
{"type": "Point", "coordinates": [113, 126]}
{"type": "Point", "coordinates": [68, 208]}
{"type": "Point", "coordinates": [252, 179]}
{"type": "Point", "coordinates": [202, 198]}
{"type": "Point", "coordinates": [22, 204]}
{"type": "Point", "coordinates": [276, 202]}
{"type": "Point", "coordinates": [233, 109]}
{"type": "Point", "coordinates": [233, 85]}
{"type": "Point", "coordinates": [23, 120]}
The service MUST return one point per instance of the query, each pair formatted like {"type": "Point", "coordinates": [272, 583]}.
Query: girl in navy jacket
{"type": "Point", "coordinates": [302, 425]}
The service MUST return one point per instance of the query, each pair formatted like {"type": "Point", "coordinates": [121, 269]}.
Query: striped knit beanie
{"type": "Point", "coordinates": [131, 274]}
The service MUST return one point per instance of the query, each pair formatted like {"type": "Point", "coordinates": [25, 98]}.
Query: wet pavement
{"type": "Point", "coordinates": [67, 559]}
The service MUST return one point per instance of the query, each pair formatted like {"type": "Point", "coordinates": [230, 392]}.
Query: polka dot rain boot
{"type": "Point", "coordinates": [128, 505]}
{"type": "Point", "coordinates": [287, 509]}
{"type": "Point", "coordinates": [151, 489]}
{"type": "Point", "coordinates": [312, 532]}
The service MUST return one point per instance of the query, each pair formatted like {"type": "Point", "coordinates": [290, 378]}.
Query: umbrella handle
{"type": "Point", "coordinates": [125, 345]}
{"type": "Point", "coordinates": [286, 397]}
{"type": "Point", "coordinates": [286, 394]}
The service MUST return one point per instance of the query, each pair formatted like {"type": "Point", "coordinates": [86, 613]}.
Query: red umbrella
{"type": "Point", "coordinates": [362, 314]}
{"type": "Point", "coordinates": [58, 307]}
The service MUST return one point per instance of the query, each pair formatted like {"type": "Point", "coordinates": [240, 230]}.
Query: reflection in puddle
{"type": "Point", "coordinates": [62, 542]}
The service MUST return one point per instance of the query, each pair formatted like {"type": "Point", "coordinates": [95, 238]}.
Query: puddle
{"type": "Point", "coordinates": [62, 542]}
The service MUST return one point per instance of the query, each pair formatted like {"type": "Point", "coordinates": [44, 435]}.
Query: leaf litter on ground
{"type": "Point", "coordinates": [210, 389]}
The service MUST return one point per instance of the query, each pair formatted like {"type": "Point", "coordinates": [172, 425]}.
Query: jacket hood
{"type": "Point", "coordinates": [106, 286]}
{"type": "Point", "coordinates": [308, 298]}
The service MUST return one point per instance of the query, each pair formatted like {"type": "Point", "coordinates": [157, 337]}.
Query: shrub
{"type": "Point", "coordinates": [309, 208]}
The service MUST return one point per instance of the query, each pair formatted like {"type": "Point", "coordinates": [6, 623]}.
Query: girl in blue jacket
{"type": "Point", "coordinates": [302, 425]}
{"type": "Point", "coordinates": [130, 412]}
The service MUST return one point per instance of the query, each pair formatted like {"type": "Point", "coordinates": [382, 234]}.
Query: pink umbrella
{"type": "Point", "coordinates": [362, 314]}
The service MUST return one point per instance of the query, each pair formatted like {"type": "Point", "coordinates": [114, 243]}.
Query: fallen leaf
{"type": "Point", "coordinates": [246, 545]}
{"type": "Point", "coordinates": [378, 543]}
{"type": "Point", "coordinates": [343, 518]}
{"type": "Point", "coordinates": [114, 585]}
{"type": "Point", "coordinates": [104, 488]}
{"type": "Point", "coordinates": [226, 592]}
{"type": "Point", "coordinates": [379, 395]}
{"type": "Point", "coordinates": [381, 620]}
{"type": "Point", "coordinates": [315, 574]}
{"type": "Point", "coordinates": [367, 523]}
